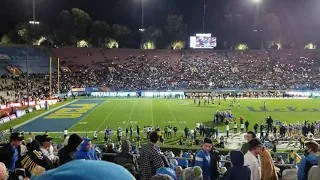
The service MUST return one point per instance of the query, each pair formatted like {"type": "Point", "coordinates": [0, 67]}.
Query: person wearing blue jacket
{"type": "Point", "coordinates": [311, 149]}
{"type": "Point", "coordinates": [86, 151]}
{"type": "Point", "coordinates": [203, 158]}
{"type": "Point", "coordinates": [184, 162]}
{"type": "Point", "coordinates": [238, 171]}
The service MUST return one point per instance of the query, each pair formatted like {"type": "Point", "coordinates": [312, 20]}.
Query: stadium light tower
{"type": "Point", "coordinates": [142, 16]}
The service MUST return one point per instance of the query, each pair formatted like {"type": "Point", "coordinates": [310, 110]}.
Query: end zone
{"type": "Point", "coordinates": [60, 118]}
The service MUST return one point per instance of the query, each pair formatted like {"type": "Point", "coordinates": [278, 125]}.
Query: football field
{"type": "Point", "coordinates": [89, 115]}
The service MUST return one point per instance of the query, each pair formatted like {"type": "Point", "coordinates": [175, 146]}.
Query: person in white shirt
{"type": "Point", "coordinates": [198, 126]}
{"type": "Point", "coordinates": [251, 158]}
{"type": "Point", "coordinates": [227, 129]}
{"type": "Point", "coordinates": [46, 147]}
{"type": "Point", "coordinates": [65, 133]}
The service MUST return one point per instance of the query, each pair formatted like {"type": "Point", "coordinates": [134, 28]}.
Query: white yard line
{"type": "Point", "coordinates": [174, 117]}
{"type": "Point", "coordinates": [131, 114]}
{"type": "Point", "coordinates": [34, 118]}
{"type": "Point", "coordinates": [151, 113]}
{"type": "Point", "coordinates": [109, 115]}
{"type": "Point", "coordinates": [87, 115]}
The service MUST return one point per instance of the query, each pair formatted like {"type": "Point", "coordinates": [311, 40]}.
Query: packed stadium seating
{"type": "Point", "coordinates": [133, 69]}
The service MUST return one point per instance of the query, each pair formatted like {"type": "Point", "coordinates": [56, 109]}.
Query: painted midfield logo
{"type": "Point", "coordinates": [288, 109]}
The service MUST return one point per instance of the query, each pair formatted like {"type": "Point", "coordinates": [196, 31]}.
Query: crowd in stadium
{"type": "Point", "coordinates": [35, 158]}
{"type": "Point", "coordinates": [148, 70]}
{"type": "Point", "coordinates": [261, 70]}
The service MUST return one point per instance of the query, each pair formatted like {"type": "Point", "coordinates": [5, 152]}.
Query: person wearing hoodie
{"type": "Point", "coordinates": [268, 171]}
{"type": "Point", "coordinates": [85, 151]}
{"type": "Point", "coordinates": [238, 171]}
{"type": "Point", "coordinates": [311, 158]}
{"type": "Point", "coordinates": [68, 152]}
{"type": "Point", "coordinates": [184, 162]}
{"type": "Point", "coordinates": [314, 172]}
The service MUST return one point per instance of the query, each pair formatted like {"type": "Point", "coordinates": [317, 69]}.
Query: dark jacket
{"type": "Point", "coordinates": [214, 160]}
{"type": "Point", "coordinates": [67, 153]}
{"type": "Point", "coordinates": [237, 171]}
{"type": "Point", "coordinates": [6, 153]}
{"type": "Point", "coordinates": [109, 157]}
{"type": "Point", "coordinates": [123, 158]}
{"type": "Point", "coordinates": [33, 158]}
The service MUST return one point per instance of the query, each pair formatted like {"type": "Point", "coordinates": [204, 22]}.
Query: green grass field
{"type": "Point", "coordinates": [181, 113]}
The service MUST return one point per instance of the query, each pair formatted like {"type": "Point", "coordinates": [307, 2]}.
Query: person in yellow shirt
{"type": "Point", "coordinates": [291, 157]}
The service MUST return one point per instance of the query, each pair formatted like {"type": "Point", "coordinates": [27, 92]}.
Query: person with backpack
{"type": "Point", "coordinates": [310, 160]}
{"type": "Point", "coordinates": [314, 172]}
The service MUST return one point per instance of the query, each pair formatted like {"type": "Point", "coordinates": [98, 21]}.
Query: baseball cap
{"type": "Point", "coordinates": [43, 138]}
{"type": "Point", "coordinates": [16, 136]}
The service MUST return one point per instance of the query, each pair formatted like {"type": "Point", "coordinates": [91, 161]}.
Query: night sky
{"type": "Point", "coordinates": [297, 13]}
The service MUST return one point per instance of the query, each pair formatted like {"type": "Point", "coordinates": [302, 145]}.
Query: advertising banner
{"type": "Point", "coordinates": [20, 113]}
{"type": "Point", "coordinates": [13, 117]}
{"type": "Point", "coordinates": [78, 89]}
{"type": "Point", "coordinates": [37, 107]}
{"type": "Point", "coordinates": [5, 119]}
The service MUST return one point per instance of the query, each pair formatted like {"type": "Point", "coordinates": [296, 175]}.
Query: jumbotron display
{"type": "Point", "coordinates": [203, 41]}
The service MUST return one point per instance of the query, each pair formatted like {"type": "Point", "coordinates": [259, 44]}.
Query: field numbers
{"type": "Point", "coordinates": [133, 122]}
{"type": "Point", "coordinates": [182, 122]}
{"type": "Point", "coordinates": [171, 122]}
{"type": "Point", "coordinates": [83, 122]}
{"type": "Point", "coordinates": [124, 122]}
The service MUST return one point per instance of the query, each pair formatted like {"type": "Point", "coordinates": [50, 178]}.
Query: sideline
{"type": "Point", "coordinates": [47, 112]}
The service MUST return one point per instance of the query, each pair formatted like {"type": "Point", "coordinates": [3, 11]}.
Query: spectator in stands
{"type": "Point", "coordinates": [184, 162]}
{"type": "Point", "coordinates": [203, 158]}
{"type": "Point", "coordinates": [161, 177]}
{"type": "Point", "coordinates": [9, 153]}
{"type": "Point", "coordinates": [251, 158]}
{"type": "Point", "coordinates": [245, 146]}
{"type": "Point", "coordinates": [238, 171]}
{"type": "Point", "coordinates": [311, 159]}
{"type": "Point", "coordinates": [314, 172]}
{"type": "Point", "coordinates": [85, 150]}
{"type": "Point", "coordinates": [268, 171]}
{"type": "Point", "coordinates": [33, 158]}
{"type": "Point", "coordinates": [3, 172]}
{"type": "Point", "coordinates": [131, 168]}
{"type": "Point", "coordinates": [86, 170]}
{"type": "Point", "coordinates": [125, 156]}
{"type": "Point", "coordinates": [151, 159]}
{"type": "Point", "coordinates": [110, 150]}
{"type": "Point", "coordinates": [45, 145]}
{"type": "Point", "coordinates": [214, 163]}
{"type": "Point", "coordinates": [167, 171]}
{"type": "Point", "coordinates": [192, 173]}
{"type": "Point", "coordinates": [68, 152]}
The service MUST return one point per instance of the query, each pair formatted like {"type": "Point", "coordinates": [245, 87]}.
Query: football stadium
{"type": "Point", "coordinates": [159, 90]}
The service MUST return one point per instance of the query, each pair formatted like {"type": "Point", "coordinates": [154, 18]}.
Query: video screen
{"type": "Point", "coordinates": [206, 42]}
{"type": "Point", "coordinates": [203, 41]}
